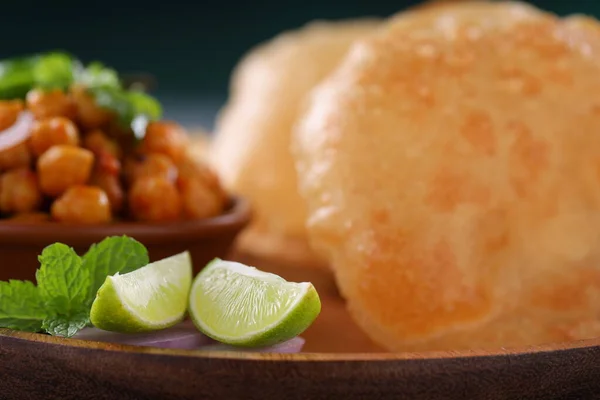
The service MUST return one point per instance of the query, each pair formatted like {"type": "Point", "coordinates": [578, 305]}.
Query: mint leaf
{"type": "Point", "coordinates": [56, 303]}
{"type": "Point", "coordinates": [21, 306]}
{"type": "Point", "coordinates": [66, 326]}
{"type": "Point", "coordinates": [114, 254]}
{"type": "Point", "coordinates": [62, 280]}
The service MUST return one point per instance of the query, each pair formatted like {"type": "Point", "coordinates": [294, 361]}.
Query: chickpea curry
{"type": "Point", "coordinates": [77, 147]}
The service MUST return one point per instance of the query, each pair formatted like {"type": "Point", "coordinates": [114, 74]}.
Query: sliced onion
{"type": "Point", "coordinates": [183, 336]}
{"type": "Point", "coordinates": [18, 132]}
{"type": "Point", "coordinates": [291, 346]}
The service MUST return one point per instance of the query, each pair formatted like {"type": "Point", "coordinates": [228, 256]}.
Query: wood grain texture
{"type": "Point", "coordinates": [48, 369]}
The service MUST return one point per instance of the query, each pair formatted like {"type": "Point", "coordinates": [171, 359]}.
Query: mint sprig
{"type": "Point", "coordinates": [61, 278]}
{"type": "Point", "coordinates": [66, 286]}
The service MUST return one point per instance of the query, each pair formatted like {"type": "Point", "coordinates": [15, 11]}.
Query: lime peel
{"type": "Point", "coordinates": [242, 306]}
{"type": "Point", "coordinates": [151, 298]}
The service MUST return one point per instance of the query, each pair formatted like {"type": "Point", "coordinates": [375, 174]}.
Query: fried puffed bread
{"type": "Point", "coordinates": [251, 146]}
{"type": "Point", "coordinates": [451, 168]}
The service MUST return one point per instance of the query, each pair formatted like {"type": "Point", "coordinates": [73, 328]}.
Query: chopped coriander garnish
{"type": "Point", "coordinates": [55, 71]}
{"type": "Point", "coordinates": [47, 71]}
{"type": "Point", "coordinates": [127, 105]}
{"type": "Point", "coordinates": [97, 75]}
{"type": "Point", "coordinates": [59, 70]}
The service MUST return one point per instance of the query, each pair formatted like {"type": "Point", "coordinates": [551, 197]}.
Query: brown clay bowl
{"type": "Point", "coordinates": [42, 367]}
{"type": "Point", "coordinates": [21, 243]}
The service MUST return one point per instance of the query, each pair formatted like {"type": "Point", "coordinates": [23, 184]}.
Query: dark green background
{"type": "Point", "coordinates": [190, 47]}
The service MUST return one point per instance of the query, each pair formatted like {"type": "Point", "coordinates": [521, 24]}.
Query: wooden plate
{"type": "Point", "coordinates": [340, 363]}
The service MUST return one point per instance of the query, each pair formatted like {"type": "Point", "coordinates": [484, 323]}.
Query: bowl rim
{"type": "Point", "coordinates": [70, 343]}
{"type": "Point", "coordinates": [237, 216]}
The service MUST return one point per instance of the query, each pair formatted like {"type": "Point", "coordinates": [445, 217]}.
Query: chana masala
{"type": "Point", "coordinates": [77, 147]}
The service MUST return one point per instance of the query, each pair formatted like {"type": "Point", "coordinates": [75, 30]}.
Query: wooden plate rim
{"type": "Point", "coordinates": [301, 357]}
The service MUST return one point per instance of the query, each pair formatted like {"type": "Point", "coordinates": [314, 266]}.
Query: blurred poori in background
{"type": "Point", "coordinates": [250, 149]}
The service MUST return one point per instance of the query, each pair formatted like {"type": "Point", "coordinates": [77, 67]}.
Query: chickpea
{"type": "Point", "coordinates": [62, 166]}
{"type": "Point", "coordinates": [9, 112]}
{"type": "Point", "coordinates": [166, 138]}
{"type": "Point", "coordinates": [19, 192]}
{"type": "Point", "coordinates": [51, 132]}
{"type": "Point", "coordinates": [89, 114]}
{"type": "Point", "coordinates": [155, 199]}
{"type": "Point", "coordinates": [106, 176]}
{"type": "Point", "coordinates": [111, 185]}
{"type": "Point", "coordinates": [97, 142]}
{"type": "Point", "coordinates": [157, 165]}
{"type": "Point", "coordinates": [47, 104]}
{"type": "Point", "coordinates": [108, 164]}
{"type": "Point", "coordinates": [190, 169]}
{"type": "Point", "coordinates": [199, 200]}
{"type": "Point", "coordinates": [82, 205]}
{"type": "Point", "coordinates": [15, 157]}
{"type": "Point", "coordinates": [200, 188]}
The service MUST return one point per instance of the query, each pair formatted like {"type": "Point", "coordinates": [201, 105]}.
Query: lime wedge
{"type": "Point", "coordinates": [243, 306]}
{"type": "Point", "coordinates": [151, 298]}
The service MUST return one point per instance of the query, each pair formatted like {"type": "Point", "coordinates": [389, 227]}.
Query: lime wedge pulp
{"type": "Point", "coordinates": [151, 298]}
{"type": "Point", "coordinates": [243, 306]}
